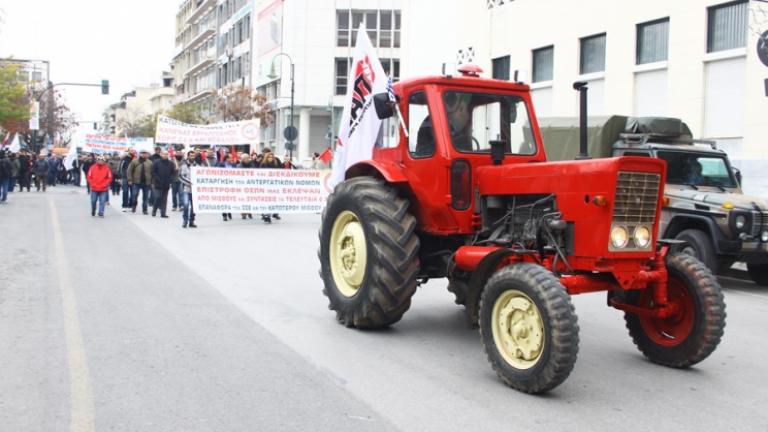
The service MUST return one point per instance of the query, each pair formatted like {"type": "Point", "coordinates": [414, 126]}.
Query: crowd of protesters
{"type": "Point", "coordinates": [133, 175]}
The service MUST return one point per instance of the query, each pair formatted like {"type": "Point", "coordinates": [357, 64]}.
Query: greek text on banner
{"type": "Point", "coordinates": [240, 190]}
{"type": "Point", "coordinates": [170, 131]}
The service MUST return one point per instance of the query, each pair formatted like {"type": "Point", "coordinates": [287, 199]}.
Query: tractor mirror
{"type": "Point", "coordinates": [498, 151]}
{"type": "Point", "coordinates": [385, 108]}
{"type": "Point", "coordinates": [737, 174]}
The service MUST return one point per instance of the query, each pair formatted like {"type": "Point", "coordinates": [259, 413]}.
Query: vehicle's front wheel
{"type": "Point", "coordinates": [695, 328]}
{"type": "Point", "coordinates": [368, 253]}
{"type": "Point", "coordinates": [759, 273]}
{"type": "Point", "coordinates": [699, 246]}
{"type": "Point", "coordinates": [529, 328]}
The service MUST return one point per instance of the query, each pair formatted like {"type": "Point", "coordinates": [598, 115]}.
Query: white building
{"type": "Point", "coordinates": [137, 104]}
{"type": "Point", "coordinates": [694, 59]}
{"type": "Point", "coordinates": [318, 37]}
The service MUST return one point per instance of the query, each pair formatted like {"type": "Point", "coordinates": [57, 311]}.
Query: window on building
{"type": "Point", "coordinates": [383, 27]}
{"type": "Point", "coordinates": [543, 64]}
{"type": "Point", "coordinates": [592, 54]}
{"type": "Point", "coordinates": [391, 68]}
{"type": "Point", "coordinates": [501, 68]}
{"type": "Point", "coordinates": [653, 41]}
{"type": "Point", "coordinates": [342, 72]}
{"type": "Point", "coordinates": [727, 26]}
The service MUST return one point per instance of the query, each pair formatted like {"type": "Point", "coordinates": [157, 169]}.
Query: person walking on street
{"type": "Point", "coordinates": [226, 163]}
{"type": "Point", "coordinates": [140, 179]}
{"type": "Point", "coordinates": [99, 179]}
{"type": "Point", "coordinates": [40, 169]}
{"type": "Point", "coordinates": [5, 176]}
{"type": "Point", "coordinates": [15, 169]}
{"type": "Point", "coordinates": [246, 162]}
{"type": "Point", "coordinates": [53, 170]}
{"type": "Point", "coordinates": [86, 167]}
{"type": "Point", "coordinates": [124, 163]}
{"type": "Point", "coordinates": [114, 167]}
{"type": "Point", "coordinates": [270, 162]}
{"type": "Point", "coordinates": [185, 176]}
{"type": "Point", "coordinates": [24, 171]}
{"type": "Point", "coordinates": [176, 182]}
{"type": "Point", "coordinates": [162, 174]}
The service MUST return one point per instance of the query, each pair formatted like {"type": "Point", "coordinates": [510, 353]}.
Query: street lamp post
{"type": "Point", "coordinates": [291, 135]}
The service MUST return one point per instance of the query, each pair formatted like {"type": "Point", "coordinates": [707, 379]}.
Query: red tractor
{"type": "Point", "coordinates": [464, 190]}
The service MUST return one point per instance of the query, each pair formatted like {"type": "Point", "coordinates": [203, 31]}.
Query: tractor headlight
{"type": "Point", "coordinates": [619, 237]}
{"type": "Point", "coordinates": [740, 222]}
{"type": "Point", "coordinates": [642, 237]}
{"type": "Point", "coordinates": [764, 237]}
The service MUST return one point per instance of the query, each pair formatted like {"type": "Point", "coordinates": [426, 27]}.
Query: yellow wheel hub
{"type": "Point", "coordinates": [518, 330]}
{"type": "Point", "coordinates": [348, 253]}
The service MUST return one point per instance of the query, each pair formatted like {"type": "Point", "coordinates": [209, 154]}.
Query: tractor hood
{"type": "Point", "coordinates": [712, 199]}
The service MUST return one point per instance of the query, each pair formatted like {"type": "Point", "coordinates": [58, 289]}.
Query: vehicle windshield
{"type": "Point", "coordinates": [696, 169]}
{"type": "Point", "coordinates": [477, 118]}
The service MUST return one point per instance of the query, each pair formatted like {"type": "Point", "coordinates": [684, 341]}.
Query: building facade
{"type": "Point", "coordinates": [137, 104]}
{"type": "Point", "coordinates": [317, 37]}
{"type": "Point", "coordinates": [704, 61]}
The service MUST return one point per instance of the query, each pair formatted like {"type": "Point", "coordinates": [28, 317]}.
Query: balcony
{"type": "Point", "coordinates": [202, 36]}
{"type": "Point", "coordinates": [200, 95]}
{"type": "Point", "coordinates": [205, 6]}
{"type": "Point", "coordinates": [200, 66]}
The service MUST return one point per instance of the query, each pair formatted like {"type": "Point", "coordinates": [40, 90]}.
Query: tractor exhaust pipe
{"type": "Point", "coordinates": [582, 88]}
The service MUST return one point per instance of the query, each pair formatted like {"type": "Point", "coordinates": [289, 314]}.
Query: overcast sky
{"type": "Point", "coordinates": [128, 42]}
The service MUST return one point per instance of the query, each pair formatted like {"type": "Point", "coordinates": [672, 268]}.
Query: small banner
{"type": "Point", "coordinates": [170, 131]}
{"type": "Point", "coordinates": [105, 144]}
{"type": "Point", "coordinates": [244, 190]}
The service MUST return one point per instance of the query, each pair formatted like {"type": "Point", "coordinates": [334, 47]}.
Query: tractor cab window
{"type": "Point", "coordinates": [475, 119]}
{"type": "Point", "coordinates": [421, 140]}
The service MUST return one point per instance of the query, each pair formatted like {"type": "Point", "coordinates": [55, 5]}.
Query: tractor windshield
{"type": "Point", "coordinates": [477, 118]}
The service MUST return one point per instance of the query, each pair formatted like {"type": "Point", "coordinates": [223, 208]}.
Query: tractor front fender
{"type": "Point", "coordinates": [389, 171]}
{"type": "Point", "coordinates": [479, 277]}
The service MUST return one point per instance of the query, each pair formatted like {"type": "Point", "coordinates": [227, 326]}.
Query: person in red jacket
{"type": "Point", "coordinates": [99, 179]}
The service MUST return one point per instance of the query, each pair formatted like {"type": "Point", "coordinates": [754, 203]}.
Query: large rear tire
{"type": "Point", "coordinates": [368, 253]}
{"type": "Point", "coordinates": [529, 328]}
{"type": "Point", "coordinates": [759, 273]}
{"type": "Point", "coordinates": [693, 332]}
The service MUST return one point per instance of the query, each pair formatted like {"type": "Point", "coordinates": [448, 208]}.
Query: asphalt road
{"type": "Point", "coordinates": [131, 323]}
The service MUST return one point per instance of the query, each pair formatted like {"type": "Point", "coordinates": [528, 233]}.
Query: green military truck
{"type": "Point", "coordinates": [704, 203]}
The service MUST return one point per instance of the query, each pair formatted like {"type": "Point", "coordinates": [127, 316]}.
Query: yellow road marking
{"type": "Point", "coordinates": [81, 411]}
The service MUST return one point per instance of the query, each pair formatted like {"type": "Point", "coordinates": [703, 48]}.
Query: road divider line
{"type": "Point", "coordinates": [81, 404]}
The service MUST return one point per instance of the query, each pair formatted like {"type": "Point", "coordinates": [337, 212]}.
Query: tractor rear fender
{"type": "Point", "coordinates": [485, 269]}
{"type": "Point", "coordinates": [384, 169]}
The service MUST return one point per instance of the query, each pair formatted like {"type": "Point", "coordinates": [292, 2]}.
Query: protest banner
{"type": "Point", "coordinates": [238, 190]}
{"type": "Point", "coordinates": [104, 144]}
{"type": "Point", "coordinates": [170, 131]}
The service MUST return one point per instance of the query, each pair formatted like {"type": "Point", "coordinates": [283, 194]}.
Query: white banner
{"type": "Point", "coordinates": [248, 190]}
{"type": "Point", "coordinates": [360, 125]}
{"type": "Point", "coordinates": [170, 131]}
{"type": "Point", "coordinates": [111, 144]}
{"type": "Point", "coordinates": [34, 116]}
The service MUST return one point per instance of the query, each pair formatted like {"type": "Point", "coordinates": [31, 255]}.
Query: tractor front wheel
{"type": "Point", "coordinates": [368, 253]}
{"type": "Point", "coordinates": [695, 328]}
{"type": "Point", "coordinates": [529, 328]}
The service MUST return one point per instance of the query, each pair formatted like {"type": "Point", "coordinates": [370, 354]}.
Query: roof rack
{"type": "Point", "coordinates": [643, 138]}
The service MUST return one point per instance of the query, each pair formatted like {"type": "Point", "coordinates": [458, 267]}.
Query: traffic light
{"type": "Point", "coordinates": [105, 87]}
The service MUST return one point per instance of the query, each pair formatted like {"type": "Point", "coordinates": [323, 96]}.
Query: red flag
{"type": "Point", "coordinates": [326, 156]}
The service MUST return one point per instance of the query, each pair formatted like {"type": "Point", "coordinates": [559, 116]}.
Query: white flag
{"type": "Point", "coordinates": [15, 145]}
{"type": "Point", "coordinates": [71, 156]}
{"type": "Point", "coordinates": [359, 124]}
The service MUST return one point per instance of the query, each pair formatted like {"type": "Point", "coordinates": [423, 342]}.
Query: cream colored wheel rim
{"type": "Point", "coordinates": [518, 330]}
{"type": "Point", "coordinates": [348, 253]}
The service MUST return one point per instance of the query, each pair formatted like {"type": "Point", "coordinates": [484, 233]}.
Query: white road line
{"type": "Point", "coordinates": [81, 410]}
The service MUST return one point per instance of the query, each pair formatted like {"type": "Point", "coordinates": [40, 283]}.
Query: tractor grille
{"type": "Point", "coordinates": [637, 196]}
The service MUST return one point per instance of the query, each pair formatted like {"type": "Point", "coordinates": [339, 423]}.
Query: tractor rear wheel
{"type": "Point", "coordinates": [693, 332]}
{"type": "Point", "coordinates": [529, 328]}
{"type": "Point", "coordinates": [368, 253]}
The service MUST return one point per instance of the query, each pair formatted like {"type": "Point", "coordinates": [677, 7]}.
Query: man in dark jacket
{"type": "Point", "coordinates": [53, 169]}
{"type": "Point", "coordinates": [162, 173]}
{"type": "Point", "coordinates": [87, 164]}
{"type": "Point", "coordinates": [140, 179]}
{"type": "Point", "coordinates": [176, 183]}
{"type": "Point", "coordinates": [5, 176]}
{"type": "Point", "coordinates": [40, 168]}
{"type": "Point", "coordinates": [124, 163]}
{"type": "Point", "coordinates": [24, 173]}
